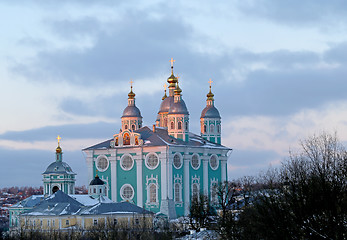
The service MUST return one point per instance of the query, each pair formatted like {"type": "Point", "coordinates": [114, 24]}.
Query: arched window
{"type": "Point", "coordinates": [195, 190]}
{"type": "Point", "coordinates": [205, 128]}
{"type": "Point", "coordinates": [152, 193]}
{"type": "Point", "coordinates": [218, 128]}
{"type": "Point", "coordinates": [211, 128]}
{"type": "Point", "coordinates": [116, 142]}
{"type": "Point", "coordinates": [172, 125]}
{"type": "Point", "coordinates": [126, 139]}
{"type": "Point", "coordinates": [186, 124]}
{"type": "Point", "coordinates": [136, 140]}
{"type": "Point", "coordinates": [133, 127]}
{"type": "Point", "coordinates": [125, 126]}
{"type": "Point", "coordinates": [179, 126]}
{"type": "Point", "coordinates": [165, 122]}
{"type": "Point", "coordinates": [177, 192]}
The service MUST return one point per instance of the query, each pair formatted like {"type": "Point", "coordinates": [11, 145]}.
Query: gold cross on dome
{"type": "Point", "coordinates": [210, 82]}
{"type": "Point", "coordinates": [172, 61]}
{"type": "Point", "coordinates": [58, 138]}
{"type": "Point", "coordinates": [131, 82]}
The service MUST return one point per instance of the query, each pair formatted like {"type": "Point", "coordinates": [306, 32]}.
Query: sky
{"type": "Point", "coordinates": [278, 69]}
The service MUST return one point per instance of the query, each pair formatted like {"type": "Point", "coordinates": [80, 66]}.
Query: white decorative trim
{"type": "Point", "coordinates": [178, 180]}
{"type": "Point", "coordinates": [217, 161]}
{"type": "Point", "coordinates": [121, 161]}
{"type": "Point", "coordinates": [97, 161]}
{"type": "Point", "coordinates": [152, 180]}
{"type": "Point", "coordinates": [181, 160]}
{"type": "Point", "coordinates": [122, 189]}
{"type": "Point", "coordinates": [199, 162]}
{"type": "Point", "coordinates": [146, 161]}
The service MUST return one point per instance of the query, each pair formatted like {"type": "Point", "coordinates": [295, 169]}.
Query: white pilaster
{"type": "Point", "coordinates": [113, 165]}
{"type": "Point", "coordinates": [163, 178]}
{"type": "Point", "coordinates": [89, 161]}
{"type": "Point", "coordinates": [223, 170]}
{"type": "Point", "coordinates": [205, 174]}
{"type": "Point", "coordinates": [186, 185]}
{"type": "Point", "coordinates": [170, 177]}
{"type": "Point", "coordinates": [139, 181]}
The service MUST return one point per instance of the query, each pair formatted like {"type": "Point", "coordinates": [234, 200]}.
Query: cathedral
{"type": "Point", "coordinates": [162, 167]}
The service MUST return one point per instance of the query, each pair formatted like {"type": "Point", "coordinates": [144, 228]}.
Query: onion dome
{"type": "Point", "coordinates": [97, 181]}
{"type": "Point", "coordinates": [210, 111]}
{"type": "Point", "coordinates": [131, 111]}
{"type": "Point", "coordinates": [178, 108]}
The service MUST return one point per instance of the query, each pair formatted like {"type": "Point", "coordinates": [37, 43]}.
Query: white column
{"type": "Point", "coordinates": [139, 181]}
{"type": "Point", "coordinates": [205, 174]}
{"type": "Point", "coordinates": [113, 165]}
{"type": "Point", "coordinates": [186, 186]}
{"type": "Point", "coordinates": [163, 178]}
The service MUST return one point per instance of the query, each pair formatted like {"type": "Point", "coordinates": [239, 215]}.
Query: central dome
{"type": "Point", "coordinates": [178, 108]}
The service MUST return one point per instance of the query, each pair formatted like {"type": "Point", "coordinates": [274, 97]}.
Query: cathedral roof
{"type": "Point", "coordinates": [161, 138]}
{"type": "Point", "coordinates": [59, 168]}
{"type": "Point", "coordinates": [28, 202]}
{"type": "Point", "coordinates": [131, 111]}
{"type": "Point", "coordinates": [210, 111]}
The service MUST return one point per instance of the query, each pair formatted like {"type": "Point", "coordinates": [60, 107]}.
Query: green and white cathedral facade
{"type": "Point", "coordinates": [161, 168]}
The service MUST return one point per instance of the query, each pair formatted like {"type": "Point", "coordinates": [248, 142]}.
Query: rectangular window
{"type": "Point", "coordinates": [115, 221]}
{"type": "Point", "coordinates": [67, 222]}
{"type": "Point", "coordinates": [137, 221]}
{"type": "Point", "coordinates": [53, 223]}
{"type": "Point", "coordinates": [95, 222]}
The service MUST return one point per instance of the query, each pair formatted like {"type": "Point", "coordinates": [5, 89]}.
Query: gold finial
{"type": "Point", "coordinates": [58, 138]}
{"type": "Point", "coordinates": [172, 61]}
{"type": "Point", "coordinates": [96, 176]}
{"type": "Point", "coordinates": [210, 95]}
{"type": "Point", "coordinates": [164, 92]}
{"type": "Point", "coordinates": [131, 95]}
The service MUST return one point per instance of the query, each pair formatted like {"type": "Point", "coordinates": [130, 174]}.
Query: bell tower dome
{"type": "Point", "coordinates": [210, 120]}
{"type": "Point", "coordinates": [131, 118]}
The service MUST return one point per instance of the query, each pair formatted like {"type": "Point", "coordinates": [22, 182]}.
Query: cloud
{"type": "Point", "coordinates": [316, 13]}
{"type": "Point", "coordinates": [70, 131]}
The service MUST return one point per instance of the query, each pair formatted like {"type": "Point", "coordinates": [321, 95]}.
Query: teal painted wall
{"type": "Point", "coordinates": [126, 177]}
{"type": "Point", "coordinates": [104, 175]}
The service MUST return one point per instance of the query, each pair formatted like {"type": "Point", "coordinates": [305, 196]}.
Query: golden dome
{"type": "Point", "coordinates": [58, 150]}
{"type": "Point", "coordinates": [178, 90]}
{"type": "Point", "coordinates": [131, 95]}
{"type": "Point", "coordinates": [210, 95]}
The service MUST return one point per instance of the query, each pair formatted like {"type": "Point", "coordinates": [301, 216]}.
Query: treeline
{"type": "Point", "coordinates": [306, 198]}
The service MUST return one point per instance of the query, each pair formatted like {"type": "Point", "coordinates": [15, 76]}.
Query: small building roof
{"type": "Point", "coordinates": [113, 208]}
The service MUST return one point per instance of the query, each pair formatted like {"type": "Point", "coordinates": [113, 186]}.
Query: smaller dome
{"type": "Point", "coordinates": [131, 94]}
{"type": "Point", "coordinates": [210, 111]}
{"type": "Point", "coordinates": [165, 104]}
{"type": "Point", "coordinates": [97, 181]}
{"type": "Point", "coordinates": [131, 111]}
{"type": "Point", "coordinates": [178, 108]}
{"type": "Point", "coordinates": [59, 167]}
